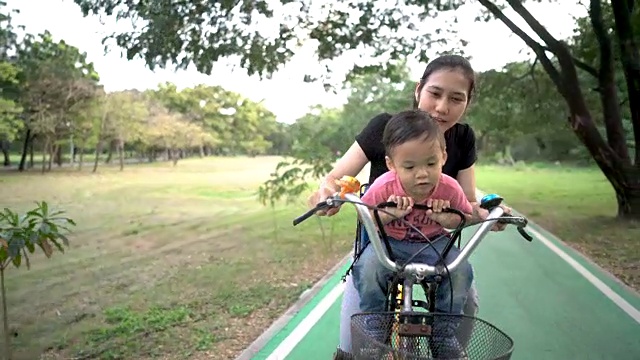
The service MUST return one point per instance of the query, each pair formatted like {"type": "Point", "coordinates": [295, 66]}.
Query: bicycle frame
{"type": "Point", "coordinates": [417, 271]}
{"type": "Point", "coordinates": [414, 273]}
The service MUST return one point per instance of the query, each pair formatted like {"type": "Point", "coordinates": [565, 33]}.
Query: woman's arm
{"type": "Point", "coordinates": [350, 164]}
{"type": "Point", "coordinates": [467, 180]}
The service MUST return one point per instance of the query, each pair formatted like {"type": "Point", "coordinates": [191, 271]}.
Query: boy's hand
{"type": "Point", "coordinates": [448, 220]}
{"type": "Point", "coordinates": [403, 208]}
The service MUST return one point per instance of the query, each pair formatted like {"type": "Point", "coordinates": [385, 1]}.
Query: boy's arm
{"type": "Point", "coordinates": [377, 193]}
{"type": "Point", "coordinates": [457, 200]}
{"type": "Point", "coordinates": [460, 202]}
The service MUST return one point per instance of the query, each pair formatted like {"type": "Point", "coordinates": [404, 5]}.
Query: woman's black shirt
{"type": "Point", "coordinates": [460, 141]}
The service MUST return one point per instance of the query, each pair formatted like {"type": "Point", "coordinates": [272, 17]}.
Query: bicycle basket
{"type": "Point", "coordinates": [426, 336]}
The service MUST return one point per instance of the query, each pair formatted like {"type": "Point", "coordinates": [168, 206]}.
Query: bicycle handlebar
{"type": "Point", "coordinates": [489, 202]}
{"type": "Point", "coordinates": [422, 207]}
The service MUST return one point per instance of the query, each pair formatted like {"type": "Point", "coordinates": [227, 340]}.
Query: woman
{"type": "Point", "coordinates": [444, 91]}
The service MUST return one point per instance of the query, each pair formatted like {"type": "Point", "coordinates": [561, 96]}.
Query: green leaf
{"type": "Point", "coordinates": [26, 258]}
{"type": "Point", "coordinates": [17, 260]}
{"type": "Point", "coordinates": [15, 246]}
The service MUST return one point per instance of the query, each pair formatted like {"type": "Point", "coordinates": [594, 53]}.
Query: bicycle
{"type": "Point", "coordinates": [409, 332]}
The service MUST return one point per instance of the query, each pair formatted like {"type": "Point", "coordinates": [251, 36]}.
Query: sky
{"type": "Point", "coordinates": [491, 45]}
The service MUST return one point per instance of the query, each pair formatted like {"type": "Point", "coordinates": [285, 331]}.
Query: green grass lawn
{"type": "Point", "coordinates": [184, 263]}
{"type": "Point", "coordinates": [576, 204]}
{"type": "Point", "coordinates": [166, 262]}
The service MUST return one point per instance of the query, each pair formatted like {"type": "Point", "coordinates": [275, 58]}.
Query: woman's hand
{"type": "Point", "coordinates": [499, 226]}
{"type": "Point", "coordinates": [320, 195]}
{"type": "Point", "coordinates": [483, 214]}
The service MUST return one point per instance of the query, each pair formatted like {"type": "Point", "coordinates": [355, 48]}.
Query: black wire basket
{"type": "Point", "coordinates": [425, 336]}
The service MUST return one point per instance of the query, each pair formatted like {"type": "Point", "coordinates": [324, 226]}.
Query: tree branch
{"type": "Point", "coordinates": [533, 23]}
{"type": "Point", "coordinates": [607, 84]}
{"type": "Point", "coordinates": [586, 67]}
{"type": "Point", "coordinates": [531, 69]}
{"type": "Point", "coordinates": [537, 48]}
{"type": "Point", "coordinates": [580, 64]}
{"type": "Point", "coordinates": [531, 73]}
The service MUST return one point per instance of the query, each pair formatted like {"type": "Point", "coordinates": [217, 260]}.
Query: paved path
{"type": "Point", "coordinates": [553, 302]}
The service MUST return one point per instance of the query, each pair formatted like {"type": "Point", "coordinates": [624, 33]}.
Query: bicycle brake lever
{"type": "Point", "coordinates": [524, 233]}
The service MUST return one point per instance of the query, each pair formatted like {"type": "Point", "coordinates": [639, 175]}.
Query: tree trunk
{"type": "Point", "coordinates": [98, 150]}
{"type": "Point", "coordinates": [51, 154]}
{"type": "Point", "coordinates": [5, 152]}
{"type": "Point", "coordinates": [25, 149]}
{"type": "Point", "coordinates": [103, 122]}
{"type": "Point", "coordinates": [630, 59]}
{"type": "Point", "coordinates": [628, 193]}
{"type": "Point", "coordinates": [31, 154]}
{"type": "Point", "coordinates": [45, 150]}
{"type": "Point", "coordinates": [121, 154]}
{"type": "Point", "coordinates": [58, 152]}
{"type": "Point", "coordinates": [110, 154]}
{"type": "Point", "coordinates": [81, 158]}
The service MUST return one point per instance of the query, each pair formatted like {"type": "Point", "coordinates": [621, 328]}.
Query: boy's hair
{"type": "Point", "coordinates": [410, 125]}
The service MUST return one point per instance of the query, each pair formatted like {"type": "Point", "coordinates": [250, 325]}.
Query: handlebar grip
{"type": "Point", "coordinates": [304, 217]}
{"type": "Point", "coordinates": [524, 234]}
{"type": "Point", "coordinates": [520, 223]}
{"type": "Point", "coordinates": [309, 213]}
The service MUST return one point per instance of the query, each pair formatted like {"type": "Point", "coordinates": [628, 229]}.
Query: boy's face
{"type": "Point", "coordinates": [418, 164]}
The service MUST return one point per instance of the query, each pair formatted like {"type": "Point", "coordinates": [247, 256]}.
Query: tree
{"type": "Point", "coordinates": [19, 236]}
{"type": "Point", "coordinates": [10, 123]}
{"type": "Point", "coordinates": [235, 125]}
{"type": "Point", "coordinates": [372, 26]}
{"type": "Point", "coordinates": [319, 136]}
{"type": "Point", "coordinates": [264, 35]}
{"type": "Point", "coordinates": [516, 114]}
{"type": "Point", "coordinates": [124, 113]}
{"type": "Point", "coordinates": [561, 65]}
{"type": "Point", "coordinates": [171, 131]}
{"type": "Point", "coordinates": [54, 77]}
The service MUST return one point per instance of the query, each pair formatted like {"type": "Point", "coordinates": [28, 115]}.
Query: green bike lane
{"type": "Point", "coordinates": [554, 304]}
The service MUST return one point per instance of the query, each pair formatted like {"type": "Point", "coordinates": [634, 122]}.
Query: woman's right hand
{"type": "Point", "coordinates": [322, 194]}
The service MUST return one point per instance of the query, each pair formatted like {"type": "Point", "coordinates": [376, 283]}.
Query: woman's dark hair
{"type": "Point", "coordinates": [409, 125]}
{"type": "Point", "coordinates": [453, 62]}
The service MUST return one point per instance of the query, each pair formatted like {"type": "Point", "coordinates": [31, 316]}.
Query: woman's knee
{"type": "Point", "coordinates": [366, 269]}
{"type": "Point", "coordinates": [473, 297]}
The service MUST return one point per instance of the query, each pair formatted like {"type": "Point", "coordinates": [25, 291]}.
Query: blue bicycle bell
{"type": "Point", "coordinates": [490, 201]}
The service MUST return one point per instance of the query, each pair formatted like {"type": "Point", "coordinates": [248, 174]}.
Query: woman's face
{"type": "Point", "coordinates": [444, 96]}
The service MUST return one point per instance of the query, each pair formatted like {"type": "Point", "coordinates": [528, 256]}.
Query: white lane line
{"type": "Point", "coordinates": [599, 284]}
{"type": "Point", "coordinates": [290, 342]}
{"type": "Point", "coordinates": [606, 290]}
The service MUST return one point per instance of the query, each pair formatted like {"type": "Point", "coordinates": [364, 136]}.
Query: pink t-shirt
{"type": "Point", "coordinates": [389, 184]}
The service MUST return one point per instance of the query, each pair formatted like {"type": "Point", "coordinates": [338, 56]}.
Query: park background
{"type": "Point", "coordinates": [183, 184]}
